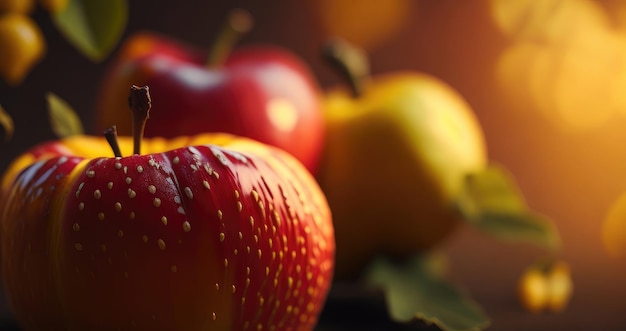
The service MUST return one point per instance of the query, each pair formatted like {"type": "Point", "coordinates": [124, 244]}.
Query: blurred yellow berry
{"type": "Point", "coordinates": [16, 6]}
{"type": "Point", "coordinates": [22, 44]}
{"type": "Point", "coordinates": [560, 286]}
{"type": "Point", "coordinates": [546, 287]}
{"type": "Point", "coordinates": [533, 290]}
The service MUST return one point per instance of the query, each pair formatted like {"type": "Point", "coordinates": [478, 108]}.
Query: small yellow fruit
{"type": "Point", "coordinates": [561, 287]}
{"type": "Point", "coordinates": [22, 45]}
{"type": "Point", "coordinates": [16, 6]}
{"type": "Point", "coordinates": [533, 290]}
{"type": "Point", "coordinates": [546, 287]}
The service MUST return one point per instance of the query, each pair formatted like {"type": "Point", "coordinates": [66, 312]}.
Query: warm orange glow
{"type": "Point", "coordinates": [614, 229]}
{"type": "Point", "coordinates": [366, 23]}
{"type": "Point", "coordinates": [566, 59]}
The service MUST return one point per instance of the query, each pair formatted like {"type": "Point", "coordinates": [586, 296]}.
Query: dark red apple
{"type": "Point", "coordinates": [259, 91]}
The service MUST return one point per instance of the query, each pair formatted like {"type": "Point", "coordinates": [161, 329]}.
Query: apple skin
{"type": "Point", "coordinates": [394, 160]}
{"type": "Point", "coordinates": [262, 92]}
{"type": "Point", "coordinates": [227, 234]}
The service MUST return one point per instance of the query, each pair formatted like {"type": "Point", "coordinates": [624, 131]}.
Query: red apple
{"type": "Point", "coordinates": [205, 232]}
{"type": "Point", "coordinates": [259, 91]}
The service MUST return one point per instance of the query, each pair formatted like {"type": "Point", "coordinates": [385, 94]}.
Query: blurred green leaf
{"type": "Point", "coordinates": [63, 118]}
{"type": "Point", "coordinates": [522, 227]}
{"type": "Point", "coordinates": [94, 27]}
{"type": "Point", "coordinates": [6, 122]}
{"type": "Point", "coordinates": [493, 203]}
{"type": "Point", "coordinates": [416, 289]}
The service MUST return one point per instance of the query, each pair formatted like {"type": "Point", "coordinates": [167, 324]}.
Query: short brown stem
{"type": "Point", "coordinates": [140, 103]}
{"type": "Point", "coordinates": [351, 62]}
{"type": "Point", "coordinates": [111, 136]}
{"type": "Point", "coordinates": [238, 23]}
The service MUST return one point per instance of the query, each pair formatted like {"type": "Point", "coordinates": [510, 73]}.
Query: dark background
{"type": "Point", "coordinates": [571, 175]}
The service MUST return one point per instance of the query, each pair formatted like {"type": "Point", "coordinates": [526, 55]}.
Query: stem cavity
{"type": "Point", "coordinates": [351, 62]}
{"type": "Point", "coordinates": [239, 22]}
{"type": "Point", "coordinates": [140, 103]}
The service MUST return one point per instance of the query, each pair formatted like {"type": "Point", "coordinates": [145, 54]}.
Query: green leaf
{"type": "Point", "coordinates": [94, 27]}
{"type": "Point", "coordinates": [527, 227]}
{"type": "Point", "coordinates": [6, 122]}
{"type": "Point", "coordinates": [63, 118]}
{"type": "Point", "coordinates": [492, 202]}
{"type": "Point", "coordinates": [415, 291]}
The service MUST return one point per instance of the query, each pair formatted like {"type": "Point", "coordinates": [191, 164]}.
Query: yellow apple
{"type": "Point", "coordinates": [398, 149]}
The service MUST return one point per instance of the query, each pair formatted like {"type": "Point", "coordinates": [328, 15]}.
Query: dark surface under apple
{"type": "Point", "coordinates": [349, 307]}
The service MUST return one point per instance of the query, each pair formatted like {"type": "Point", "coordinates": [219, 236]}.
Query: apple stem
{"type": "Point", "coordinates": [350, 61]}
{"type": "Point", "coordinates": [111, 136]}
{"type": "Point", "coordinates": [140, 103]}
{"type": "Point", "coordinates": [238, 23]}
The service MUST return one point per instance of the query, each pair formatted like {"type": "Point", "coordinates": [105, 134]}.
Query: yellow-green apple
{"type": "Point", "coordinates": [263, 92]}
{"type": "Point", "coordinates": [202, 232]}
{"type": "Point", "coordinates": [398, 148]}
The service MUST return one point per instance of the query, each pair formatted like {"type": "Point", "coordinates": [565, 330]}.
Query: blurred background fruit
{"type": "Point", "coordinates": [21, 39]}
{"type": "Point", "coordinates": [260, 91]}
{"type": "Point", "coordinates": [22, 44]}
{"type": "Point", "coordinates": [546, 286]}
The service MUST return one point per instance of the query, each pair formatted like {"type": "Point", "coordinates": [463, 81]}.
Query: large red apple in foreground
{"type": "Point", "coordinates": [206, 232]}
{"type": "Point", "coordinates": [261, 92]}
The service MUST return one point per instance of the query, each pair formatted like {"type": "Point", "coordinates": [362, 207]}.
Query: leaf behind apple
{"type": "Point", "coordinates": [94, 27]}
{"type": "Point", "coordinates": [492, 203]}
{"type": "Point", "coordinates": [417, 289]}
{"type": "Point", "coordinates": [63, 119]}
